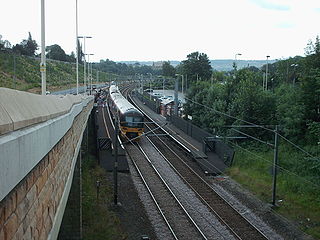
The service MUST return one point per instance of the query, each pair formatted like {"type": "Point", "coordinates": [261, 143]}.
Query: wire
{"type": "Point", "coordinates": [254, 138]}
{"type": "Point", "coordinates": [302, 150]}
{"type": "Point", "coordinates": [284, 169]}
{"type": "Point", "coordinates": [255, 125]}
{"type": "Point", "coordinates": [228, 115]}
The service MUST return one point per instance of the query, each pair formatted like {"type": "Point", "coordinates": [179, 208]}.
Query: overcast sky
{"type": "Point", "coordinates": [169, 29]}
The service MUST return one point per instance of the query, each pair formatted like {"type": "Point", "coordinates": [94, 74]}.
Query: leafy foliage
{"type": "Point", "coordinates": [124, 69]}
{"type": "Point", "coordinates": [197, 66]}
{"type": "Point", "coordinates": [27, 47]}
{"type": "Point", "coordinates": [56, 52]}
{"type": "Point", "coordinates": [168, 70]}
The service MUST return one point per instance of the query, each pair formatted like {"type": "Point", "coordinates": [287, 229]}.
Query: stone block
{"type": "Point", "coordinates": [30, 180]}
{"type": "Point", "coordinates": [2, 233]}
{"type": "Point", "coordinates": [2, 214]}
{"type": "Point", "coordinates": [35, 233]}
{"type": "Point", "coordinates": [48, 225]}
{"type": "Point", "coordinates": [22, 209]}
{"type": "Point", "coordinates": [10, 204]}
{"type": "Point", "coordinates": [21, 191]}
{"type": "Point", "coordinates": [19, 234]}
{"type": "Point", "coordinates": [41, 182]}
{"type": "Point", "coordinates": [11, 226]}
{"type": "Point", "coordinates": [43, 234]}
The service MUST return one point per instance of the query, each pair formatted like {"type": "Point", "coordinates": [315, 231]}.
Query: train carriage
{"type": "Point", "coordinates": [130, 118]}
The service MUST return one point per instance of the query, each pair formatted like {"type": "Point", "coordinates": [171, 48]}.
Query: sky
{"type": "Point", "coordinates": [154, 30]}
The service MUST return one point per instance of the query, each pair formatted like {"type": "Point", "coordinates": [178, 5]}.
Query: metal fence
{"type": "Point", "coordinates": [150, 101]}
{"type": "Point", "coordinates": [224, 151]}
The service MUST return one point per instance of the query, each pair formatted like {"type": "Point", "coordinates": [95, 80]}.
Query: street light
{"type": "Point", "coordinates": [150, 84]}
{"type": "Point", "coordinates": [43, 54]}
{"type": "Point", "coordinates": [84, 63]}
{"type": "Point", "coordinates": [77, 48]}
{"type": "Point", "coordinates": [235, 59]}
{"type": "Point", "coordinates": [89, 73]}
{"type": "Point", "coordinates": [294, 72]}
{"type": "Point", "coordinates": [266, 83]}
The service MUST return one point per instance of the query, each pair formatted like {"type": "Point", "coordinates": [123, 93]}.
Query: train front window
{"type": "Point", "coordinates": [134, 122]}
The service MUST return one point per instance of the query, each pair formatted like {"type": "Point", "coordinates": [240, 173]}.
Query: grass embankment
{"type": "Point", "coordinates": [98, 221]}
{"type": "Point", "coordinates": [23, 73]}
{"type": "Point", "coordinates": [298, 183]}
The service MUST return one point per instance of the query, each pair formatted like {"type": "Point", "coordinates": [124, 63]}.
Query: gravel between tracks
{"type": "Point", "coordinates": [207, 222]}
{"type": "Point", "coordinates": [242, 199]}
{"type": "Point", "coordinates": [258, 211]}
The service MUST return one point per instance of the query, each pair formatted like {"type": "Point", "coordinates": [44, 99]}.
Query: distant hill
{"type": "Point", "coordinates": [218, 64]}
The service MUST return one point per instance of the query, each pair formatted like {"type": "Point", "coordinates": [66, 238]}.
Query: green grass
{"type": "Point", "coordinates": [98, 221]}
{"type": "Point", "coordinates": [297, 189]}
{"type": "Point", "coordinates": [27, 77]}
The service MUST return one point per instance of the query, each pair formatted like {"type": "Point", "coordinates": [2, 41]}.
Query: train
{"type": "Point", "coordinates": [130, 118]}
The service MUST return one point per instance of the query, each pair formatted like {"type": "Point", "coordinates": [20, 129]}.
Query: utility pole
{"type": "Point", "coordinates": [14, 71]}
{"type": "Point", "coordinates": [77, 48]}
{"type": "Point", "coordinates": [275, 166]}
{"type": "Point", "coordinates": [84, 61]}
{"type": "Point", "coordinates": [115, 168]}
{"type": "Point", "coordinates": [182, 84]}
{"type": "Point", "coordinates": [267, 73]}
{"type": "Point", "coordinates": [176, 103]}
{"type": "Point", "coordinates": [43, 54]}
{"type": "Point", "coordinates": [98, 76]}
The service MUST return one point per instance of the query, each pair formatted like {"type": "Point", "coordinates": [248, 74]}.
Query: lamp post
{"type": "Point", "coordinates": [150, 79]}
{"type": "Point", "coordinates": [43, 55]}
{"type": "Point", "coordinates": [294, 72]}
{"type": "Point", "coordinates": [266, 83]}
{"type": "Point", "coordinates": [84, 63]}
{"type": "Point", "coordinates": [89, 72]}
{"type": "Point", "coordinates": [176, 96]}
{"type": "Point", "coordinates": [77, 48]}
{"type": "Point", "coordinates": [235, 59]}
{"type": "Point", "coordinates": [163, 79]}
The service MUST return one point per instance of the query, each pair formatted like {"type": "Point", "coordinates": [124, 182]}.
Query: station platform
{"type": "Point", "coordinates": [208, 161]}
{"type": "Point", "coordinates": [105, 140]}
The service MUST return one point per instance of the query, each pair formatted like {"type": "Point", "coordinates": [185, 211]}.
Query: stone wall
{"type": "Point", "coordinates": [30, 210]}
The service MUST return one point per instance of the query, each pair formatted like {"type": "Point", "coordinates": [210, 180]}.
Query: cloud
{"type": "Point", "coordinates": [267, 4]}
{"type": "Point", "coordinates": [285, 25]}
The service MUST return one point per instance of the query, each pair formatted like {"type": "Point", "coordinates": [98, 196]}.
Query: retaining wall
{"type": "Point", "coordinates": [37, 163]}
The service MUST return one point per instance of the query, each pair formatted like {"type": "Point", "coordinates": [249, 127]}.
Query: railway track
{"type": "Point", "coordinates": [179, 222]}
{"type": "Point", "coordinates": [228, 216]}
{"type": "Point", "coordinates": [176, 156]}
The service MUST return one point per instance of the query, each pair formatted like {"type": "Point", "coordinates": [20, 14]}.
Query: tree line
{"type": "Point", "coordinates": [218, 100]}
{"type": "Point", "coordinates": [29, 47]}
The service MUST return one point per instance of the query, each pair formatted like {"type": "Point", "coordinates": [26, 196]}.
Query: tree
{"type": "Point", "coordinates": [197, 66]}
{"type": "Point", "coordinates": [80, 52]}
{"type": "Point", "coordinates": [290, 111]}
{"type": "Point", "coordinates": [168, 70]}
{"type": "Point", "coordinates": [71, 57]}
{"type": "Point", "coordinates": [56, 52]}
{"type": "Point", "coordinates": [312, 52]}
{"type": "Point", "coordinates": [27, 47]}
{"type": "Point", "coordinates": [1, 43]}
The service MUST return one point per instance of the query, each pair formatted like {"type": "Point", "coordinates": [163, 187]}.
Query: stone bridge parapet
{"type": "Point", "coordinates": [40, 138]}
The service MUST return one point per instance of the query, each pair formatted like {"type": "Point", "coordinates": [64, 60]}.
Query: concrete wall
{"type": "Point", "coordinates": [36, 171]}
{"type": "Point", "coordinates": [21, 150]}
{"type": "Point", "coordinates": [21, 109]}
